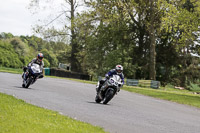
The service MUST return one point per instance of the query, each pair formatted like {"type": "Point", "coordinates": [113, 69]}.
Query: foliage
{"type": "Point", "coordinates": [194, 87]}
{"type": "Point", "coordinates": [46, 63]}
{"type": "Point", "coordinates": [17, 52]}
{"type": "Point", "coordinates": [117, 36]}
{"type": "Point", "coordinates": [20, 47]}
{"type": "Point", "coordinates": [8, 57]}
{"type": "Point", "coordinates": [50, 57]}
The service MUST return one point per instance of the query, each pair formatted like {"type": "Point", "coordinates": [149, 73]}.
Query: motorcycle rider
{"type": "Point", "coordinates": [38, 60]}
{"type": "Point", "coordinates": [117, 71]}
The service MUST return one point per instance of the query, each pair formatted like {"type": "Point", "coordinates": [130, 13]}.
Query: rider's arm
{"type": "Point", "coordinates": [30, 63]}
{"type": "Point", "coordinates": [110, 73]}
{"type": "Point", "coordinates": [123, 81]}
{"type": "Point", "coordinates": [107, 76]}
{"type": "Point", "coordinates": [122, 77]}
{"type": "Point", "coordinates": [42, 65]}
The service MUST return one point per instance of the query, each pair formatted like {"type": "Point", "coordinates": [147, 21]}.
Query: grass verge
{"type": "Point", "coordinates": [182, 97]}
{"type": "Point", "coordinates": [17, 116]}
{"type": "Point", "coordinates": [11, 70]}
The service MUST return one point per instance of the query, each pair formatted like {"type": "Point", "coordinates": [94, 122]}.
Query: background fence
{"type": "Point", "coordinates": [65, 73]}
{"type": "Point", "coordinates": [129, 82]}
{"type": "Point", "coordinates": [143, 83]}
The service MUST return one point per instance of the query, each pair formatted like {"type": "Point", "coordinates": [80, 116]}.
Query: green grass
{"type": "Point", "coordinates": [11, 70]}
{"type": "Point", "coordinates": [179, 96]}
{"type": "Point", "coordinates": [17, 116]}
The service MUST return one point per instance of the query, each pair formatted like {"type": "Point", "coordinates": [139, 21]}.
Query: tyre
{"type": "Point", "coordinates": [97, 99]}
{"type": "Point", "coordinates": [23, 85]}
{"type": "Point", "coordinates": [29, 80]}
{"type": "Point", "coordinates": [109, 95]}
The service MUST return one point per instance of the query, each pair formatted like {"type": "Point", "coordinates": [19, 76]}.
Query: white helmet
{"type": "Point", "coordinates": [119, 69]}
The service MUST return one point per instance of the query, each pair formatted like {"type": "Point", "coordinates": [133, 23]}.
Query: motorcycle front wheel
{"type": "Point", "coordinates": [28, 82]}
{"type": "Point", "coordinates": [109, 95]}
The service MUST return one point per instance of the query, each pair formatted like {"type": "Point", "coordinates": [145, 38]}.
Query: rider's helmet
{"type": "Point", "coordinates": [119, 69]}
{"type": "Point", "coordinates": [40, 56]}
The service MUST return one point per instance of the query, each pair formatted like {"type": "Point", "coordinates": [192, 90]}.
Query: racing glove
{"type": "Point", "coordinates": [107, 76]}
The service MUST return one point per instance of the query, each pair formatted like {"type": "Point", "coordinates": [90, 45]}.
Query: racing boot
{"type": "Point", "coordinates": [101, 91]}
{"type": "Point", "coordinates": [23, 75]}
{"type": "Point", "coordinates": [100, 94]}
{"type": "Point", "coordinates": [98, 86]}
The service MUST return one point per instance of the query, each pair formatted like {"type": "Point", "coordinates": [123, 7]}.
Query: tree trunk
{"type": "Point", "coordinates": [152, 61]}
{"type": "Point", "coordinates": [74, 46]}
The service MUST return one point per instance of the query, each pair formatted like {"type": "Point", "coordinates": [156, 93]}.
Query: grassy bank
{"type": "Point", "coordinates": [16, 116]}
{"type": "Point", "coordinates": [179, 96]}
{"type": "Point", "coordinates": [11, 70]}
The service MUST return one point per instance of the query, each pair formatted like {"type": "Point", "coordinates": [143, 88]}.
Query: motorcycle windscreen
{"type": "Point", "coordinates": [35, 69]}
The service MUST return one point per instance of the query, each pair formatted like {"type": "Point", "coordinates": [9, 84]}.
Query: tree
{"type": "Point", "coordinates": [8, 57]}
{"type": "Point", "coordinates": [73, 60]}
{"type": "Point", "coordinates": [50, 57]}
{"type": "Point", "coordinates": [152, 32]}
{"type": "Point", "coordinates": [52, 32]}
{"type": "Point", "coordinates": [180, 20]}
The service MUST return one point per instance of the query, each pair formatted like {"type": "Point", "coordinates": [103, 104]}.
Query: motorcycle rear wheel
{"type": "Point", "coordinates": [97, 99]}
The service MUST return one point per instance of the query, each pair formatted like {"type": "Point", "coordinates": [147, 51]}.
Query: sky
{"type": "Point", "coordinates": [16, 18]}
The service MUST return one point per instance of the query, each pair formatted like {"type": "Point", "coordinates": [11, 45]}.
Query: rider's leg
{"type": "Point", "coordinates": [99, 85]}
{"type": "Point", "coordinates": [104, 86]}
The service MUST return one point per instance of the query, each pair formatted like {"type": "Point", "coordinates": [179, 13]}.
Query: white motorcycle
{"type": "Point", "coordinates": [112, 86]}
{"type": "Point", "coordinates": [31, 74]}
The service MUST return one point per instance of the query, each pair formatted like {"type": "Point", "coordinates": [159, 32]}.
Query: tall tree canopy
{"type": "Point", "coordinates": [152, 39]}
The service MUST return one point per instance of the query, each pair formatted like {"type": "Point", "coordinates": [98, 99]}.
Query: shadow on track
{"type": "Point", "coordinates": [97, 103]}
{"type": "Point", "coordinates": [23, 87]}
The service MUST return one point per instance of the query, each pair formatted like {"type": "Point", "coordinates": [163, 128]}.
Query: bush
{"type": "Point", "coordinates": [46, 63]}
{"type": "Point", "coordinates": [194, 87]}
{"type": "Point", "coordinates": [8, 57]}
{"type": "Point", "coordinates": [50, 57]}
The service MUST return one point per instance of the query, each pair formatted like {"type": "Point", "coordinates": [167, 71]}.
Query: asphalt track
{"type": "Point", "coordinates": [126, 113]}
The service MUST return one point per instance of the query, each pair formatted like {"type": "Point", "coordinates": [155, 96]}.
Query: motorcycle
{"type": "Point", "coordinates": [112, 86]}
{"type": "Point", "coordinates": [31, 74]}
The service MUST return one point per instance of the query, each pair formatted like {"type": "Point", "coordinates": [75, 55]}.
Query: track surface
{"type": "Point", "coordinates": [126, 113]}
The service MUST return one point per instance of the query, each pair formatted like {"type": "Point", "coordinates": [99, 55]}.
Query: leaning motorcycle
{"type": "Point", "coordinates": [112, 86]}
{"type": "Point", "coordinates": [30, 75]}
